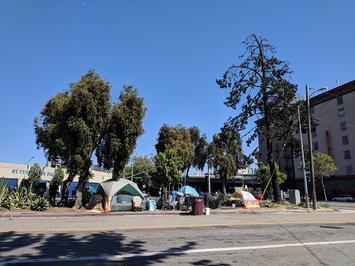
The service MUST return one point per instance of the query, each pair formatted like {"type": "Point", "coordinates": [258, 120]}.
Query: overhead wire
{"type": "Point", "coordinates": [15, 121]}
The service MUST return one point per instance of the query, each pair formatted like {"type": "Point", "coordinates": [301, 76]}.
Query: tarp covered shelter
{"type": "Point", "coordinates": [124, 186]}
{"type": "Point", "coordinates": [189, 190]}
{"type": "Point", "coordinates": [247, 198]}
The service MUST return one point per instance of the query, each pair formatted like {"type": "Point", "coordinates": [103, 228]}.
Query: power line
{"type": "Point", "coordinates": [15, 121]}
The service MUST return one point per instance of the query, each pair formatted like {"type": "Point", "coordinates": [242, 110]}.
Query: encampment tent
{"type": "Point", "coordinates": [247, 198]}
{"type": "Point", "coordinates": [123, 186]}
{"type": "Point", "coordinates": [119, 194]}
{"type": "Point", "coordinates": [116, 195]}
{"type": "Point", "coordinates": [189, 190]}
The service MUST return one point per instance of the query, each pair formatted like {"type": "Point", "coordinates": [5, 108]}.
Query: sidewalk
{"type": "Point", "coordinates": [107, 223]}
{"type": "Point", "coordinates": [67, 212]}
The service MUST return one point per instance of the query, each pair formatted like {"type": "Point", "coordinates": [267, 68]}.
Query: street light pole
{"type": "Point", "coordinates": [208, 179]}
{"type": "Point", "coordinates": [303, 161]}
{"type": "Point", "coordinates": [132, 172]}
{"type": "Point", "coordinates": [310, 145]}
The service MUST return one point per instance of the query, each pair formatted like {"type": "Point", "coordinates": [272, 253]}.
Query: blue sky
{"type": "Point", "coordinates": [172, 51]}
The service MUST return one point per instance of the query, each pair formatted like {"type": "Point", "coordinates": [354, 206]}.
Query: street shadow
{"type": "Point", "coordinates": [209, 263]}
{"type": "Point", "coordinates": [98, 248]}
{"type": "Point", "coordinates": [12, 241]}
{"type": "Point", "coordinates": [330, 227]}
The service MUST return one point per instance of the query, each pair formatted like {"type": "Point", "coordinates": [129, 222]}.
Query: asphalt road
{"type": "Point", "coordinates": [277, 243]}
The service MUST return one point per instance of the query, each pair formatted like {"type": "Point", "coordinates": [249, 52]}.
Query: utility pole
{"type": "Point", "coordinates": [132, 172]}
{"type": "Point", "coordinates": [303, 161]}
{"type": "Point", "coordinates": [209, 179]}
{"type": "Point", "coordinates": [310, 145]}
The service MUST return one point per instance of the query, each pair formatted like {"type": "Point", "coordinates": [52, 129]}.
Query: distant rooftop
{"type": "Point", "coordinates": [333, 93]}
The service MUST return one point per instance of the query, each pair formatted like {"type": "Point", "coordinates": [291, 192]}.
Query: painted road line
{"type": "Point", "coordinates": [176, 226]}
{"type": "Point", "coordinates": [142, 256]}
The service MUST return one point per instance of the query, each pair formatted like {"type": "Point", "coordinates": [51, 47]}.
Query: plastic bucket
{"type": "Point", "coordinates": [207, 211]}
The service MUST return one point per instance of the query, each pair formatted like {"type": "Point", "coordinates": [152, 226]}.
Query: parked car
{"type": "Point", "coordinates": [343, 197]}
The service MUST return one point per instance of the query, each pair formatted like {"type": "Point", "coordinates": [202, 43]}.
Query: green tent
{"type": "Point", "coordinates": [124, 186]}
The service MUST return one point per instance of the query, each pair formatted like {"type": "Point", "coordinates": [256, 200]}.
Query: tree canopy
{"type": "Point", "coordinates": [324, 167]}
{"type": "Point", "coordinates": [35, 174]}
{"type": "Point", "coordinates": [177, 138]}
{"type": "Point", "coordinates": [58, 176]}
{"type": "Point", "coordinates": [168, 166]}
{"type": "Point", "coordinates": [199, 146]}
{"type": "Point", "coordinates": [120, 139]}
{"type": "Point", "coordinates": [142, 168]}
{"type": "Point", "coordinates": [263, 175]}
{"type": "Point", "coordinates": [259, 87]}
{"type": "Point", "coordinates": [188, 143]}
{"type": "Point", "coordinates": [225, 154]}
{"type": "Point", "coordinates": [76, 123]}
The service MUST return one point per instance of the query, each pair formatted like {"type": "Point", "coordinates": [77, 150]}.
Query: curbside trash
{"type": "Point", "coordinates": [197, 205]}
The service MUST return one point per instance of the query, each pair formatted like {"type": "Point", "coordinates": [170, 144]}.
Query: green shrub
{"type": "Point", "coordinates": [304, 202]}
{"type": "Point", "coordinates": [20, 198]}
{"type": "Point", "coordinates": [324, 205]}
{"type": "Point", "coordinates": [267, 204]}
{"type": "Point", "coordinates": [3, 192]}
{"type": "Point", "coordinates": [40, 204]}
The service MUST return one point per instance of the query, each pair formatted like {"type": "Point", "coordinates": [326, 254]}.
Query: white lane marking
{"type": "Point", "coordinates": [177, 252]}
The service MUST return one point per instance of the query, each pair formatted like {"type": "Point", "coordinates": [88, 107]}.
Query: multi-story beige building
{"type": "Point", "coordinates": [334, 111]}
{"type": "Point", "coordinates": [13, 174]}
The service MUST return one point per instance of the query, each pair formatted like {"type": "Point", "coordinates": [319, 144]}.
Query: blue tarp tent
{"type": "Point", "coordinates": [189, 190]}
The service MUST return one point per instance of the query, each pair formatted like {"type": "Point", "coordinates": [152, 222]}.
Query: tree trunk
{"type": "Point", "coordinates": [65, 190]}
{"type": "Point", "coordinates": [269, 147]}
{"type": "Point", "coordinates": [165, 196]}
{"type": "Point", "coordinates": [224, 189]}
{"type": "Point", "coordinates": [116, 174]}
{"type": "Point", "coordinates": [187, 175]}
{"type": "Point", "coordinates": [53, 190]}
{"type": "Point", "coordinates": [84, 176]}
{"type": "Point", "coordinates": [323, 186]}
{"type": "Point", "coordinates": [79, 193]}
{"type": "Point", "coordinates": [275, 184]}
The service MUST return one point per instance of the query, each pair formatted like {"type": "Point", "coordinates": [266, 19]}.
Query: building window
{"type": "Point", "coordinates": [345, 140]}
{"type": "Point", "coordinates": [315, 146]}
{"type": "Point", "coordinates": [314, 133]}
{"type": "Point", "coordinates": [343, 125]}
{"type": "Point", "coordinates": [347, 155]}
{"type": "Point", "coordinates": [349, 170]}
{"type": "Point", "coordinates": [341, 112]}
{"type": "Point", "coordinates": [340, 100]}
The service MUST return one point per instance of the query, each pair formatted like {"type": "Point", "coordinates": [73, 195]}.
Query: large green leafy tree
{"type": "Point", "coordinates": [71, 127]}
{"type": "Point", "coordinates": [142, 168]}
{"type": "Point", "coordinates": [324, 167]}
{"type": "Point", "coordinates": [259, 86]}
{"type": "Point", "coordinates": [263, 175]}
{"type": "Point", "coordinates": [189, 144]}
{"type": "Point", "coordinates": [76, 123]}
{"type": "Point", "coordinates": [168, 166]}
{"type": "Point", "coordinates": [125, 127]}
{"type": "Point", "coordinates": [177, 138]}
{"type": "Point", "coordinates": [199, 146]}
{"type": "Point", "coordinates": [225, 154]}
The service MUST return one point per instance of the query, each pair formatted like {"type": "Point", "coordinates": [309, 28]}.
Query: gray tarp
{"type": "Point", "coordinates": [111, 187]}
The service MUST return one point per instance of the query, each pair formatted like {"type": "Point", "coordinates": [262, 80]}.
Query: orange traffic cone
{"type": "Point", "coordinates": [106, 208]}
